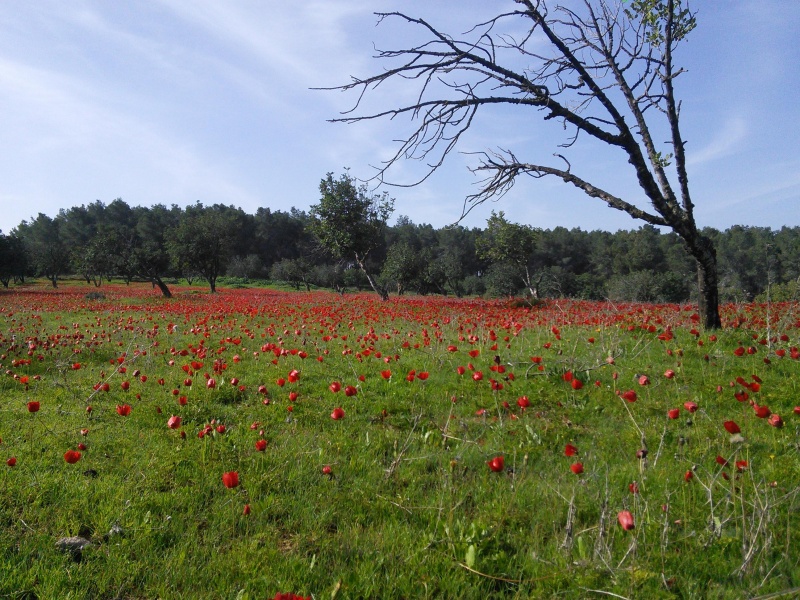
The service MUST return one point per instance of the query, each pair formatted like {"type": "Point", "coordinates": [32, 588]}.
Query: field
{"type": "Point", "coordinates": [256, 442]}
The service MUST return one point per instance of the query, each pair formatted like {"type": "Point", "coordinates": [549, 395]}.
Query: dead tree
{"type": "Point", "coordinates": [604, 69]}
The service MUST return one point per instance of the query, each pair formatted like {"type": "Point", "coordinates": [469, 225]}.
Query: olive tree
{"type": "Point", "coordinates": [510, 244]}
{"type": "Point", "coordinates": [602, 68]}
{"type": "Point", "coordinates": [350, 222]}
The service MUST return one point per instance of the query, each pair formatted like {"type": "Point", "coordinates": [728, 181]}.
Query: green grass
{"type": "Point", "coordinates": [411, 509]}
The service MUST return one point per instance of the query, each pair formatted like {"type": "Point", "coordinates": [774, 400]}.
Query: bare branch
{"type": "Point", "coordinates": [504, 168]}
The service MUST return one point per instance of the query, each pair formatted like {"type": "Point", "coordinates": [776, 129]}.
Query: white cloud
{"type": "Point", "coordinates": [725, 142]}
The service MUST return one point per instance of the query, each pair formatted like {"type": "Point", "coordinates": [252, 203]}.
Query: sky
{"type": "Point", "coordinates": [179, 101]}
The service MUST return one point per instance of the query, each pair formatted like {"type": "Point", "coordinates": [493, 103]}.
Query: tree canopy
{"type": "Point", "coordinates": [349, 221]}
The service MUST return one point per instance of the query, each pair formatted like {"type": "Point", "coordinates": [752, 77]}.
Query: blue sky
{"type": "Point", "coordinates": [175, 101]}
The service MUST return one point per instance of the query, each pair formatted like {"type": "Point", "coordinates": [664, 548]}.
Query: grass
{"type": "Point", "coordinates": [410, 507]}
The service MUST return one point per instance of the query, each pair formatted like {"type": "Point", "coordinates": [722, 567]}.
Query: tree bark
{"type": "Point", "coordinates": [162, 286]}
{"type": "Point", "coordinates": [708, 285]}
{"type": "Point", "coordinates": [377, 289]}
{"type": "Point", "coordinates": [705, 255]}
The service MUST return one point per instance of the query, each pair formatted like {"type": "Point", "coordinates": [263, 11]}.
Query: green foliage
{"type": "Point", "coordinates": [503, 241]}
{"type": "Point", "coordinates": [648, 286]}
{"type": "Point", "coordinates": [295, 272]}
{"type": "Point", "coordinates": [203, 241]}
{"type": "Point", "coordinates": [659, 21]}
{"type": "Point", "coordinates": [348, 221]}
{"type": "Point", "coordinates": [120, 242]}
{"type": "Point", "coordinates": [48, 251]}
{"type": "Point", "coordinates": [502, 280]}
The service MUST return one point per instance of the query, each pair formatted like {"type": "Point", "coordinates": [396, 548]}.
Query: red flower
{"type": "Point", "coordinates": [246, 510]}
{"type": "Point", "coordinates": [731, 427]}
{"type": "Point", "coordinates": [721, 461]}
{"type": "Point", "coordinates": [673, 413]}
{"type": "Point", "coordinates": [387, 374]}
{"type": "Point", "coordinates": [338, 413]}
{"type": "Point", "coordinates": [497, 464]}
{"type": "Point", "coordinates": [669, 373]}
{"type": "Point", "coordinates": [123, 409]}
{"type": "Point", "coordinates": [633, 488]}
{"type": "Point", "coordinates": [644, 380]}
{"type": "Point", "coordinates": [174, 422]}
{"type": "Point", "coordinates": [762, 412]}
{"type": "Point", "coordinates": [33, 406]}
{"type": "Point", "coordinates": [11, 461]}
{"type": "Point", "coordinates": [335, 387]}
{"type": "Point", "coordinates": [230, 479]}
{"type": "Point", "coordinates": [570, 450]}
{"type": "Point", "coordinates": [423, 375]}
{"type": "Point", "coordinates": [690, 406]}
{"type": "Point", "coordinates": [326, 470]}
{"type": "Point", "coordinates": [629, 396]}
{"type": "Point", "coordinates": [261, 445]}
{"type": "Point", "coordinates": [741, 465]}
{"type": "Point", "coordinates": [72, 456]}
{"type": "Point", "coordinates": [775, 420]}
{"type": "Point", "coordinates": [625, 519]}
{"type": "Point", "coordinates": [576, 384]}
{"type": "Point", "coordinates": [523, 402]}
{"type": "Point", "coordinates": [688, 476]}
{"type": "Point", "coordinates": [211, 384]}
{"type": "Point", "coordinates": [576, 468]}
{"type": "Point", "coordinates": [350, 391]}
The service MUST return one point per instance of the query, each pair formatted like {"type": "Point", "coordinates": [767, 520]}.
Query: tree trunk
{"type": "Point", "coordinates": [162, 286]}
{"type": "Point", "coordinates": [212, 281]}
{"type": "Point", "coordinates": [705, 254]}
{"type": "Point", "coordinates": [378, 290]}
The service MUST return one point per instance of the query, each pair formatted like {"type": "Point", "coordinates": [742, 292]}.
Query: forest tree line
{"type": "Point", "coordinates": [99, 242]}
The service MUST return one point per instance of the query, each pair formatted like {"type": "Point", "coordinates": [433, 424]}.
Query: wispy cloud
{"type": "Point", "coordinates": [724, 143]}
{"type": "Point", "coordinates": [71, 124]}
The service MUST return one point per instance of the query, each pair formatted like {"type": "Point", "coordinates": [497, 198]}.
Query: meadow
{"type": "Point", "coordinates": [257, 443]}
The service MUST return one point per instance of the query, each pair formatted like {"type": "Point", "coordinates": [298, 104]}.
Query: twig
{"type": "Point", "coordinates": [567, 543]}
{"type": "Point", "coordinates": [396, 462]}
{"type": "Point", "coordinates": [606, 593]}
{"type": "Point", "coordinates": [515, 581]}
{"type": "Point", "coordinates": [781, 594]}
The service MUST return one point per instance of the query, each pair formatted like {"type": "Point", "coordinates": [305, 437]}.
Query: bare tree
{"type": "Point", "coordinates": [604, 70]}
